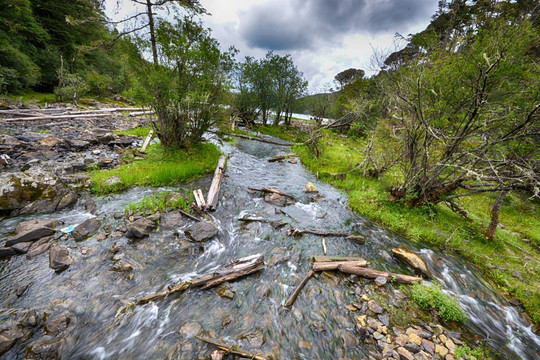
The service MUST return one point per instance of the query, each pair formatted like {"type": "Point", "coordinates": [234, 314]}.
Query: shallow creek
{"type": "Point", "coordinates": [92, 294]}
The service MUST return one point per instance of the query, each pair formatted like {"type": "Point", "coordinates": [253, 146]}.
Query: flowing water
{"type": "Point", "coordinates": [91, 294]}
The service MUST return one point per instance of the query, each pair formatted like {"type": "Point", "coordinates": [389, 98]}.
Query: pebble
{"type": "Point", "coordinates": [404, 353]}
{"type": "Point", "coordinates": [441, 350]}
{"type": "Point", "coordinates": [373, 306]}
{"type": "Point", "coordinates": [380, 281]}
{"type": "Point", "coordinates": [415, 339]}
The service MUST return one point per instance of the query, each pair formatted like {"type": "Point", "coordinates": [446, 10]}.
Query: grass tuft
{"type": "Point", "coordinates": [433, 297]}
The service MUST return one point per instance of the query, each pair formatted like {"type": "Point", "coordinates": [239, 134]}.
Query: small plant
{"type": "Point", "coordinates": [44, 131]}
{"type": "Point", "coordinates": [159, 202]}
{"type": "Point", "coordinates": [433, 297]}
{"type": "Point", "coordinates": [466, 352]}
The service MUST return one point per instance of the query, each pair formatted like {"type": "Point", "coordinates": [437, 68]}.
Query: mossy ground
{"type": "Point", "coordinates": [160, 167]}
{"type": "Point", "coordinates": [511, 261]}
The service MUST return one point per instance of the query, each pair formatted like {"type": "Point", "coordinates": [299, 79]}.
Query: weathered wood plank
{"type": "Point", "coordinates": [212, 199]}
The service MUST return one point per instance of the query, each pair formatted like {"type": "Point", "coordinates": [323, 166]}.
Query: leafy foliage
{"type": "Point", "coordinates": [432, 297]}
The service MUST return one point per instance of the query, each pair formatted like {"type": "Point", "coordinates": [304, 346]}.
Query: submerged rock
{"type": "Point", "coordinates": [44, 348]}
{"type": "Point", "coordinates": [6, 252]}
{"type": "Point", "coordinates": [201, 231]}
{"type": "Point", "coordinates": [311, 188]}
{"type": "Point", "coordinates": [277, 200]}
{"type": "Point", "coordinates": [412, 259]}
{"type": "Point", "coordinates": [140, 228]}
{"type": "Point", "coordinates": [190, 329]}
{"type": "Point", "coordinates": [8, 338]}
{"type": "Point", "coordinates": [59, 259]}
{"type": "Point", "coordinates": [86, 229]}
{"type": "Point", "coordinates": [171, 220]}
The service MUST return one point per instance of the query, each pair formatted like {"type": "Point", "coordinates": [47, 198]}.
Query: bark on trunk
{"type": "Point", "coordinates": [490, 232]}
{"type": "Point", "coordinates": [152, 32]}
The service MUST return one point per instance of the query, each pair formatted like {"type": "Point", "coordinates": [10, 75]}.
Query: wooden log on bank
{"type": "Point", "coordinates": [372, 274]}
{"type": "Point", "coordinates": [292, 298]}
{"type": "Point", "coordinates": [212, 199]}
{"type": "Point", "coordinates": [236, 269]}
{"type": "Point", "coordinates": [199, 198]}
{"type": "Point", "coordinates": [298, 232]}
{"type": "Point", "coordinates": [260, 139]}
{"type": "Point", "coordinates": [282, 157]}
{"type": "Point", "coordinates": [147, 140]}
{"type": "Point", "coordinates": [235, 350]}
{"type": "Point", "coordinates": [55, 117]}
{"type": "Point", "coordinates": [270, 190]}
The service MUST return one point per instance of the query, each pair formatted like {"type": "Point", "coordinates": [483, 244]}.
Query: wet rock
{"type": "Point", "coordinates": [384, 319]}
{"type": "Point", "coordinates": [190, 329]}
{"type": "Point", "coordinates": [39, 247]}
{"type": "Point", "coordinates": [22, 289]}
{"type": "Point", "coordinates": [424, 333]}
{"type": "Point", "coordinates": [404, 354]}
{"type": "Point", "coordinates": [401, 339]}
{"type": "Point", "coordinates": [254, 338]}
{"type": "Point", "coordinates": [201, 231]}
{"type": "Point", "coordinates": [101, 237]}
{"type": "Point", "coordinates": [59, 259]}
{"type": "Point", "coordinates": [349, 340]}
{"type": "Point", "coordinates": [277, 200]}
{"type": "Point", "coordinates": [31, 230]}
{"type": "Point", "coordinates": [86, 229]}
{"type": "Point", "coordinates": [78, 144]}
{"type": "Point", "coordinates": [22, 248]}
{"type": "Point", "coordinates": [413, 259]}
{"type": "Point", "coordinates": [450, 346]}
{"type": "Point", "coordinates": [378, 336]}
{"type": "Point", "coordinates": [6, 252]}
{"type": "Point", "coordinates": [29, 319]}
{"type": "Point", "coordinates": [225, 293]}
{"type": "Point", "coordinates": [413, 348]}
{"type": "Point", "coordinates": [311, 188]}
{"type": "Point", "coordinates": [318, 326]}
{"type": "Point", "coordinates": [422, 356]}
{"type": "Point", "coordinates": [45, 348]}
{"type": "Point", "coordinates": [373, 306]}
{"type": "Point", "coordinates": [106, 138]}
{"type": "Point", "coordinates": [172, 220]}
{"type": "Point", "coordinates": [140, 228]}
{"type": "Point", "coordinates": [68, 200]}
{"type": "Point", "coordinates": [122, 266]}
{"type": "Point", "coordinates": [380, 280]}
{"type": "Point", "coordinates": [57, 325]}
{"type": "Point", "coordinates": [217, 354]}
{"type": "Point", "coordinates": [415, 339]}
{"type": "Point", "coordinates": [8, 338]}
{"type": "Point", "coordinates": [264, 291]}
{"type": "Point", "coordinates": [90, 205]}
{"type": "Point", "coordinates": [118, 257]}
{"type": "Point", "coordinates": [453, 335]}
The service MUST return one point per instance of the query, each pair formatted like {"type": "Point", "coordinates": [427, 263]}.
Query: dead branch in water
{"type": "Point", "coordinates": [235, 350]}
{"type": "Point", "coordinates": [270, 190]}
{"type": "Point", "coordinates": [299, 232]}
{"type": "Point", "coordinates": [292, 298]}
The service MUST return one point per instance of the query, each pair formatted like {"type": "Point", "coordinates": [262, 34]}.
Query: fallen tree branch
{"type": "Point", "coordinates": [270, 190]}
{"type": "Point", "coordinates": [292, 298]}
{"type": "Point", "coordinates": [235, 350]}
{"type": "Point", "coordinates": [147, 140]}
{"type": "Point", "coordinates": [334, 265]}
{"type": "Point", "coordinates": [282, 157]}
{"type": "Point", "coordinates": [236, 269]}
{"type": "Point", "coordinates": [186, 214]}
{"type": "Point", "coordinates": [336, 258]}
{"type": "Point", "coordinates": [199, 198]}
{"type": "Point", "coordinates": [372, 274]}
{"type": "Point", "coordinates": [259, 139]}
{"type": "Point", "coordinates": [299, 232]}
{"type": "Point", "coordinates": [212, 199]}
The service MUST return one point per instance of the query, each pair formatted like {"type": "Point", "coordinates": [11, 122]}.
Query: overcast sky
{"type": "Point", "coordinates": [323, 37]}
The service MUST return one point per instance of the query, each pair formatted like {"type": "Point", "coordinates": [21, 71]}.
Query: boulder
{"type": "Point", "coordinates": [201, 231]}
{"type": "Point", "coordinates": [44, 348]}
{"type": "Point", "coordinates": [39, 247]}
{"type": "Point", "coordinates": [90, 205]}
{"type": "Point", "coordinates": [33, 191]}
{"type": "Point", "coordinates": [59, 259]}
{"type": "Point", "coordinates": [412, 259]}
{"type": "Point", "coordinates": [57, 325]}
{"type": "Point", "coordinates": [172, 220]}
{"type": "Point", "coordinates": [6, 252]}
{"type": "Point", "coordinates": [140, 228]}
{"type": "Point", "coordinates": [277, 200]}
{"type": "Point", "coordinates": [68, 200]}
{"type": "Point", "coordinates": [32, 230]}
{"type": "Point", "coordinates": [22, 248]}
{"type": "Point", "coordinates": [86, 229]}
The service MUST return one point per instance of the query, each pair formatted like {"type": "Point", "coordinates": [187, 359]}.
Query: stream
{"type": "Point", "coordinates": [314, 328]}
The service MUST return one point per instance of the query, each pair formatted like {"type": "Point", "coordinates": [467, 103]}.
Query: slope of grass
{"type": "Point", "coordinates": [511, 261]}
{"type": "Point", "coordinates": [161, 167]}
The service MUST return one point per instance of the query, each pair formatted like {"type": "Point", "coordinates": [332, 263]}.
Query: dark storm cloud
{"type": "Point", "coordinates": [299, 24]}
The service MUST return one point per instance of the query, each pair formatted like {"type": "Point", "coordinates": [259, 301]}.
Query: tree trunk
{"type": "Point", "coordinates": [152, 32]}
{"type": "Point", "coordinates": [490, 232]}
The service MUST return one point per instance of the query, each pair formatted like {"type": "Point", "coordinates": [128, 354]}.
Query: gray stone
{"type": "Point", "coordinates": [90, 205]}
{"type": "Point", "coordinates": [254, 338]}
{"type": "Point", "coordinates": [39, 247]}
{"type": "Point", "coordinates": [29, 319]}
{"type": "Point", "coordinates": [413, 259]}
{"type": "Point", "coordinates": [413, 348]}
{"type": "Point", "coordinates": [349, 340]}
{"type": "Point", "coordinates": [428, 346]}
{"type": "Point", "coordinates": [373, 306]}
{"type": "Point", "coordinates": [140, 228]}
{"type": "Point", "coordinates": [31, 230]}
{"type": "Point", "coordinates": [57, 325]}
{"type": "Point", "coordinates": [22, 248]}
{"type": "Point", "coordinates": [380, 280]}
{"type": "Point", "coordinates": [86, 229]}
{"type": "Point", "coordinates": [172, 220]}
{"type": "Point", "coordinates": [122, 266]}
{"type": "Point", "coordinates": [277, 200]}
{"type": "Point", "coordinates": [404, 354]}
{"type": "Point", "coordinates": [201, 231]}
{"type": "Point", "coordinates": [78, 144]}
{"type": "Point", "coordinates": [68, 200]}
{"type": "Point", "coordinates": [44, 348]}
{"type": "Point", "coordinates": [384, 319]}
{"type": "Point", "coordinates": [59, 259]}
{"type": "Point", "coordinates": [113, 181]}
{"type": "Point", "coordinates": [190, 329]}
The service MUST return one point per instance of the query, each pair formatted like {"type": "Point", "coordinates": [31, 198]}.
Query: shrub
{"type": "Point", "coordinates": [433, 297]}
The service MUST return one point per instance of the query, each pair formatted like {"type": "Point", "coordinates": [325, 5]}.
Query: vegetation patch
{"type": "Point", "coordinates": [137, 131]}
{"type": "Point", "coordinates": [161, 202]}
{"type": "Point", "coordinates": [286, 133]}
{"type": "Point", "coordinates": [510, 261]}
{"type": "Point", "coordinates": [161, 167]}
{"type": "Point", "coordinates": [433, 297]}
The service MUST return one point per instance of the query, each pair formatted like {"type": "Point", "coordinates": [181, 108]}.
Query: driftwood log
{"type": "Point", "coordinates": [299, 232]}
{"type": "Point", "coordinates": [69, 114]}
{"type": "Point", "coordinates": [292, 298]}
{"type": "Point", "coordinates": [235, 350]}
{"type": "Point", "coordinates": [282, 157]}
{"type": "Point", "coordinates": [270, 190]}
{"type": "Point", "coordinates": [55, 117]}
{"type": "Point", "coordinates": [236, 269]}
{"type": "Point", "coordinates": [260, 139]}
{"type": "Point", "coordinates": [212, 199]}
{"type": "Point", "coordinates": [199, 198]}
{"type": "Point", "coordinates": [334, 265]}
{"type": "Point", "coordinates": [372, 274]}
